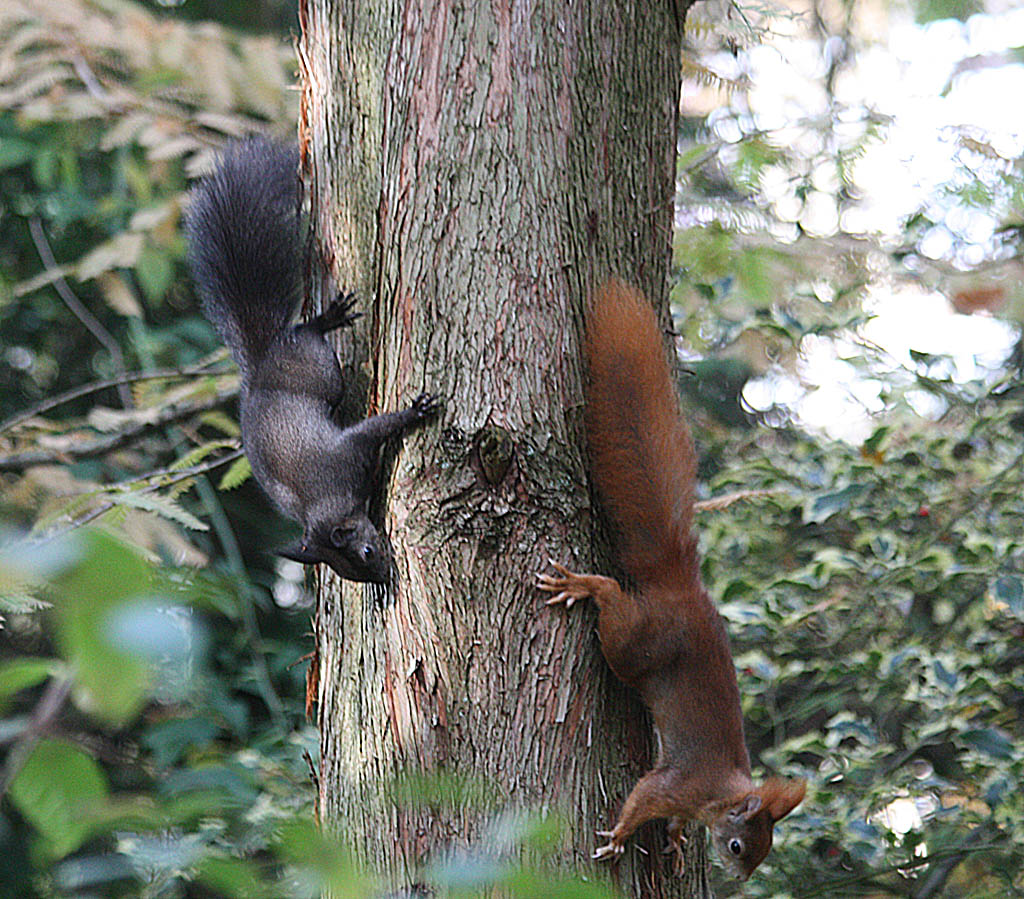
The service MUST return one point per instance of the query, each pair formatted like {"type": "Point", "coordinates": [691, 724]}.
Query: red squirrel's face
{"type": "Point", "coordinates": [742, 834]}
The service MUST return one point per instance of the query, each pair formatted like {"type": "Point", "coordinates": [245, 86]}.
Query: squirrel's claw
{"type": "Point", "coordinates": [674, 846]}
{"type": "Point", "coordinates": [562, 597]}
{"type": "Point", "coordinates": [338, 314]}
{"type": "Point", "coordinates": [565, 586]}
{"type": "Point", "coordinates": [610, 851]}
{"type": "Point", "coordinates": [555, 585]}
{"type": "Point", "coordinates": [427, 404]}
{"type": "Point", "coordinates": [676, 849]}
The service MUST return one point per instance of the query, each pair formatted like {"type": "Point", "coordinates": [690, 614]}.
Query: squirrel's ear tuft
{"type": "Point", "coordinates": [746, 808]}
{"type": "Point", "coordinates": [301, 552]}
{"type": "Point", "coordinates": [343, 532]}
{"type": "Point", "coordinates": [781, 796]}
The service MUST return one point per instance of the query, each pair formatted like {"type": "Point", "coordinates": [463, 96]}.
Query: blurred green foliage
{"type": "Point", "coordinates": [874, 597]}
{"type": "Point", "coordinates": [151, 682]}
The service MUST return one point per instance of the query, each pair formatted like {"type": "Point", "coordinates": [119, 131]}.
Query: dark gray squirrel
{"type": "Point", "coordinates": [245, 251]}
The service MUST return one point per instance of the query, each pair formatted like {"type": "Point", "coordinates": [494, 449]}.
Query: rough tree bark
{"type": "Point", "coordinates": [476, 170]}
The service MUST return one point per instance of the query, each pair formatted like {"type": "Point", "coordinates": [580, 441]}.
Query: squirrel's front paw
{"type": "Point", "coordinates": [611, 850]}
{"type": "Point", "coordinates": [568, 587]}
{"type": "Point", "coordinates": [339, 314]}
{"type": "Point", "coordinates": [426, 404]}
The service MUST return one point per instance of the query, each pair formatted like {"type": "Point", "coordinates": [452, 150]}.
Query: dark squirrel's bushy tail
{"type": "Point", "coordinates": [642, 458]}
{"type": "Point", "coordinates": [245, 247]}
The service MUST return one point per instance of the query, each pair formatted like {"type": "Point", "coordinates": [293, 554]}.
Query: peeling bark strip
{"type": "Point", "coordinates": [477, 170]}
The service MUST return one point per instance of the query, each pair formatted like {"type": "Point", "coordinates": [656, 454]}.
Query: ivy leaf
{"type": "Point", "coordinates": [989, 740]}
{"type": "Point", "coordinates": [825, 506]}
{"type": "Point", "coordinates": [1009, 589]}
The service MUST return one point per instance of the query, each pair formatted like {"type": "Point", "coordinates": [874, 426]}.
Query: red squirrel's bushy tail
{"type": "Point", "coordinates": [642, 458]}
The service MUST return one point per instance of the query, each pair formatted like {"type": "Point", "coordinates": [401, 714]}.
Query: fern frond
{"type": "Point", "coordinates": [239, 472]}
{"type": "Point", "coordinates": [160, 505]}
{"type": "Point", "coordinates": [195, 456]}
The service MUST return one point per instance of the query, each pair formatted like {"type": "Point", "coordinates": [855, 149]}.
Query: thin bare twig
{"type": "Point", "coordinates": [832, 887]}
{"type": "Point", "coordinates": [935, 882]}
{"type": "Point", "coordinates": [717, 503]}
{"type": "Point", "coordinates": [64, 291]}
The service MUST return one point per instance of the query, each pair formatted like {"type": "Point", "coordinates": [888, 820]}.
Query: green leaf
{"type": "Point", "coordinates": [110, 575]}
{"type": "Point", "coordinates": [229, 781]}
{"type": "Point", "coordinates": [155, 272]}
{"type": "Point", "coordinates": [25, 672]}
{"type": "Point", "coordinates": [1009, 589]}
{"type": "Point", "coordinates": [57, 789]}
{"type": "Point", "coordinates": [19, 602]}
{"type": "Point", "coordinates": [945, 675]}
{"type": "Point", "coordinates": [531, 884]}
{"type": "Point", "coordinates": [989, 740]}
{"type": "Point", "coordinates": [443, 789]}
{"type": "Point", "coordinates": [223, 423]}
{"type": "Point", "coordinates": [232, 877]}
{"type": "Point", "coordinates": [170, 741]}
{"type": "Point", "coordinates": [926, 11]}
{"type": "Point", "coordinates": [826, 505]}
{"type": "Point", "coordinates": [196, 455]}
{"type": "Point", "coordinates": [873, 444]}
{"type": "Point", "coordinates": [690, 155]}
{"type": "Point", "coordinates": [304, 845]}
{"type": "Point", "coordinates": [755, 279]}
{"type": "Point", "coordinates": [239, 472]}
{"type": "Point", "coordinates": [46, 167]}
{"type": "Point", "coordinates": [15, 152]}
{"type": "Point", "coordinates": [121, 251]}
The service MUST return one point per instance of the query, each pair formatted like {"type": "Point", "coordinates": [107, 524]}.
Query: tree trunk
{"type": "Point", "coordinates": [476, 171]}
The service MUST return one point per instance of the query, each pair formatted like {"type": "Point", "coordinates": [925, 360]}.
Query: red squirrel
{"type": "Point", "coordinates": [664, 638]}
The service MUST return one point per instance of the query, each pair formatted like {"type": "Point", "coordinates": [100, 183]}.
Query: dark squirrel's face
{"type": "Point", "coordinates": [352, 548]}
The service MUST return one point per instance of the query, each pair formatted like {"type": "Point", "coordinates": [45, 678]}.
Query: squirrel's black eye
{"type": "Point", "coordinates": [735, 847]}
{"type": "Point", "coordinates": [367, 552]}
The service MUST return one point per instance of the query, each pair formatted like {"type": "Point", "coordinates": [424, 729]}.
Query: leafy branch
{"type": "Point", "coordinates": [126, 493]}
{"type": "Point", "coordinates": [142, 424]}
{"type": "Point", "coordinates": [205, 367]}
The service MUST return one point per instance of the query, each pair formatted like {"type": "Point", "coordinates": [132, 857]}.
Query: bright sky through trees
{"type": "Point", "coordinates": [934, 85]}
